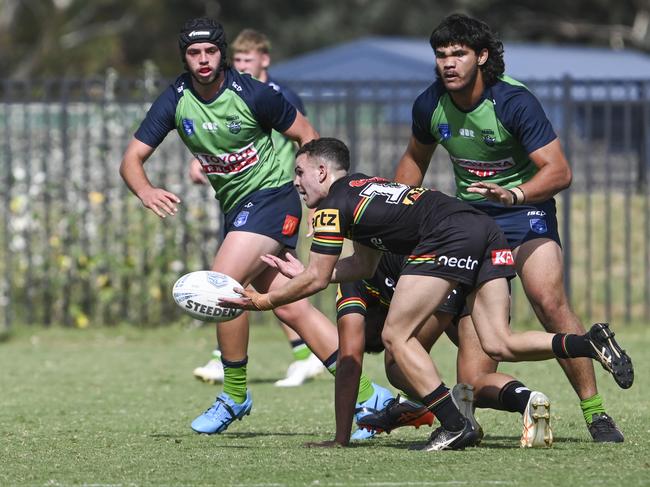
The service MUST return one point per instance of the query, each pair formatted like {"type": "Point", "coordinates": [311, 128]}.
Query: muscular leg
{"type": "Point", "coordinates": [403, 323]}
{"type": "Point", "coordinates": [475, 367]}
{"type": "Point", "coordinates": [539, 265]}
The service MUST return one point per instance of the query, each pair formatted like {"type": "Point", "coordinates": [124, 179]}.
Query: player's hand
{"type": "Point", "coordinates": [324, 444]}
{"type": "Point", "coordinates": [160, 201]}
{"type": "Point", "coordinates": [197, 176]}
{"type": "Point", "coordinates": [492, 192]}
{"type": "Point", "coordinates": [289, 266]}
{"type": "Point", "coordinates": [250, 300]}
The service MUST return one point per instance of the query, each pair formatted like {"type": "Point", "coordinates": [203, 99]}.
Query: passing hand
{"type": "Point", "coordinates": [250, 300]}
{"type": "Point", "coordinates": [289, 266]}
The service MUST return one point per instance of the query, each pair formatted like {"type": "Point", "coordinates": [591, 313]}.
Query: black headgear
{"type": "Point", "coordinates": [203, 29]}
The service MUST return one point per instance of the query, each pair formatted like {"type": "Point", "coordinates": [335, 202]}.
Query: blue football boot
{"type": "Point", "coordinates": [377, 402]}
{"type": "Point", "coordinates": [223, 412]}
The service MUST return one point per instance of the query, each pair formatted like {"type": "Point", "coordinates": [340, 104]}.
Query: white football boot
{"type": "Point", "coordinates": [300, 371]}
{"type": "Point", "coordinates": [212, 372]}
{"type": "Point", "coordinates": [537, 422]}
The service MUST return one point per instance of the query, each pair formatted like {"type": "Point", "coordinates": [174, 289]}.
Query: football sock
{"type": "Point", "coordinates": [234, 379]}
{"type": "Point", "coordinates": [592, 405]}
{"type": "Point", "coordinates": [366, 390]}
{"type": "Point", "coordinates": [299, 349]}
{"type": "Point", "coordinates": [514, 397]}
{"type": "Point", "coordinates": [216, 354]}
{"type": "Point", "coordinates": [330, 363]}
{"type": "Point", "coordinates": [570, 346]}
{"type": "Point", "coordinates": [439, 403]}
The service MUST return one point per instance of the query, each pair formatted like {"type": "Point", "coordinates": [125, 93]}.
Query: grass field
{"type": "Point", "coordinates": [112, 406]}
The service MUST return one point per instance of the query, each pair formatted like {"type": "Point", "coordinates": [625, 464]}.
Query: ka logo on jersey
{"type": "Point", "coordinates": [241, 219]}
{"type": "Point", "coordinates": [327, 221]}
{"type": "Point", "coordinates": [188, 126]}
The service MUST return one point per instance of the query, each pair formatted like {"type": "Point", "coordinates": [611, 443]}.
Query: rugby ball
{"type": "Point", "coordinates": [198, 294]}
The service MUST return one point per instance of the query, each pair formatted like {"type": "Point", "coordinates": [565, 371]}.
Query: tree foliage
{"type": "Point", "coordinates": [81, 37]}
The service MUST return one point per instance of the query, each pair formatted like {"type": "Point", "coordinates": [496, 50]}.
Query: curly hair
{"type": "Point", "coordinates": [467, 31]}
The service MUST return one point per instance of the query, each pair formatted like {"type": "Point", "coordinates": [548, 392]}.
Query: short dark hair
{"type": "Point", "coordinates": [203, 29]}
{"type": "Point", "coordinates": [467, 31]}
{"type": "Point", "coordinates": [330, 149]}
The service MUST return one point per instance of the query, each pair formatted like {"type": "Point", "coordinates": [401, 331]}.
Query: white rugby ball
{"type": "Point", "coordinates": [198, 294]}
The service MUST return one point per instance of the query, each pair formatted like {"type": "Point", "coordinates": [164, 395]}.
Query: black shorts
{"type": "Point", "coordinates": [360, 298]}
{"type": "Point", "coordinates": [274, 212]}
{"type": "Point", "coordinates": [465, 247]}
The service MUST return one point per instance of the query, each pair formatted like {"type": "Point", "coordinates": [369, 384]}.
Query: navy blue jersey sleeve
{"type": "Point", "coordinates": [271, 109]}
{"type": "Point", "coordinates": [160, 119]}
{"type": "Point", "coordinates": [523, 116]}
{"type": "Point", "coordinates": [423, 109]}
{"type": "Point", "coordinates": [291, 96]}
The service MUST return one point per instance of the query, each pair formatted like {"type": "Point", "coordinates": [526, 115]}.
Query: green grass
{"type": "Point", "coordinates": [112, 406]}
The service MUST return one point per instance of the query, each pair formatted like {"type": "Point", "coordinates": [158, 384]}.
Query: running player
{"type": "Point", "coordinates": [225, 118]}
{"type": "Point", "coordinates": [509, 163]}
{"type": "Point", "coordinates": [448, 243]}
{"type": "Point", "coordinates": [251, 54]}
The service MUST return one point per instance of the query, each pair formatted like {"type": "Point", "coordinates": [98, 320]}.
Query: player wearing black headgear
{"type": "Point", "coordinates": [203, 29]}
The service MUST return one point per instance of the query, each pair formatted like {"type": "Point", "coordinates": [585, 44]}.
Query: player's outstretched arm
{"type": "Point", "coordinates": [158, 200]}
{"type": "Point", "coordinates": [290, 266]}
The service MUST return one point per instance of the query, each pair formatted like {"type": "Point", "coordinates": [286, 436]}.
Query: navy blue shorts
{"type": "Point", "coordinates": [274, 212]}
{"type": "Point", "coordinates": [522, 223]}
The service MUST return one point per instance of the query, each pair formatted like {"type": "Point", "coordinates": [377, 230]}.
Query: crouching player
{"type": "Point", "coordinates": [448, 243]}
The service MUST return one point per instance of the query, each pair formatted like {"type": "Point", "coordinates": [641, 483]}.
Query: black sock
{"type": "Point", "coordinates": [514, 397]}
{"type": "Point", "coordinates": [439, 403]}
{"type": "Point", "coordinates": [570, 346]}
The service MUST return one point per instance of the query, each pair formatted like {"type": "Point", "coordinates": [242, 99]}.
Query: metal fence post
{"type": "Point", "coordinates": [567, 120]}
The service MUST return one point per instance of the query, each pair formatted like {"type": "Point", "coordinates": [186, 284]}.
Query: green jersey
{"type": "Point", "coordinates": [230, 134]}
{"type": "Point", "coordinates": [492, 141]}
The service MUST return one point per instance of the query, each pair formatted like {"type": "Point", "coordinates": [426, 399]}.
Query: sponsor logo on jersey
{"type": "Point", "coordinates": [357, 183]}
{"type": "Point", "coordinates": [229, 163]}
{"type": "Point", "coordinates": [209, 126]}
{"type": "Point", "coordinates": [484, 169]}
{"type": "Point", "coordinates": [538, 225]}
{"type": "Point", "coordinates": [241, 219]}
{"type": "Point", "coordinates": [444, 130]}
{"type": "Point", "coordinates": [463, 263]}
{"type": "Point", "coordinates": [250, 204]}
{"type": "Point", "coordinates": [536, 213]}
{"type": "Point", "coordinates": [188, 126]}
{"type": "Point", "coordinates": [502, 257]}
{"type": "Point", "coordinates": [236, 87]}
{"type": "Point", "coordinates": [469, 133]}
{"type": "Point", "coordinates": [233, 123]}
{"type": "Point", "coordinates": [290, 225]}
{"type": "Point", "coordinates": [389, 282]}
{"type": "Point", "coordinates": [327, 220]}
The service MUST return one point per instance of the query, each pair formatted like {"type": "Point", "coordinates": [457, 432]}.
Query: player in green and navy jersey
{"type": "Point", "coordinates": [508, 162]}
{"type": "Point", "coordinates": [225, 118]}
{"type": "Point", "coordinates": [251, 54]}
{"type": "Point", "coordinates": [448, 243]}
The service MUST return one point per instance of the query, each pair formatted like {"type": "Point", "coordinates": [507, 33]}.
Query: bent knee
{"type": "Point", "coordinates": [293, 313]}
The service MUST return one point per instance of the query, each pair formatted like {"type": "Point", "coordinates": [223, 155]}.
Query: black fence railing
{"type": "Point", "coordinates": [77, 248]}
